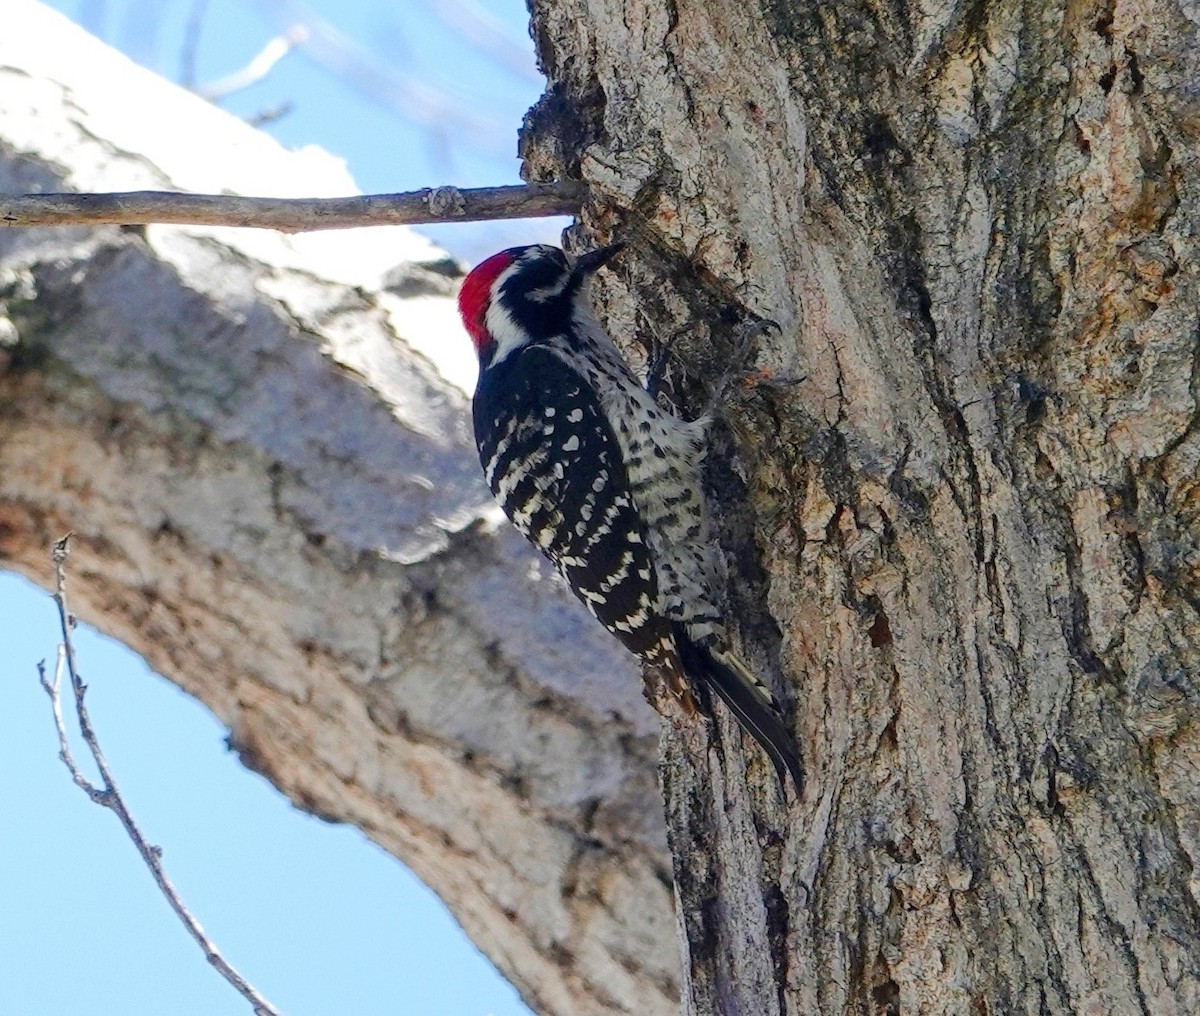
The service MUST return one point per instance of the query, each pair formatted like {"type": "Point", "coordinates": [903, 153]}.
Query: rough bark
{"type": "Point", "coordinates": [277, 503]}
{"type": "Point", "coordinates": [965, 543]}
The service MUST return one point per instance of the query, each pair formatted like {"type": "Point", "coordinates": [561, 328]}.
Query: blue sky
{"type": "Point", "coordinates": [320, 919]}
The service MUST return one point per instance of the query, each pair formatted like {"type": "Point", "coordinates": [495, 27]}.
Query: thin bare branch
{"type": "Point", "coordinates": [272, 114]}
{"type": "Point", "coordinates": [387, 83]}
{"type": "Point", "coordinates": [108, 795]}
{"type": "Point", "coordinates": [257, 69]}
{"type": "Point", "coordinates": [294, 215]}
{"type": "Point", "coordinates": [52, 686]}
{"type": "Point", "coordinates": [488, 34]}
{"type": "Point", "coordinates": [191, 43]}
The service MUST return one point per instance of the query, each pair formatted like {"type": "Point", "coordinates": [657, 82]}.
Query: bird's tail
{"type": "Point", "coordinates": [750, 701]}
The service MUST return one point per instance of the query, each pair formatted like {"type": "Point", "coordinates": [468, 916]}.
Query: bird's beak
{"type": "Point", "coordinates": [587, 263]}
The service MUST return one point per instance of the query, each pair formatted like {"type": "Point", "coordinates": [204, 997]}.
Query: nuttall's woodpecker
{"type": "Point", "coordinates": [604, 482]}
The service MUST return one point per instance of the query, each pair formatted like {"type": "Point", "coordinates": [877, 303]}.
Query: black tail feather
{"type": "Point", "coordinates": [756, 715]}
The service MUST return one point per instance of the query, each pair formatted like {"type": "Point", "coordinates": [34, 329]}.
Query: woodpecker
{"type": "Point", "coordinates": [605, 483]}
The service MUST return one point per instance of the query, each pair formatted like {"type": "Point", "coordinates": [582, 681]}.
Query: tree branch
{"type": "Point", "coordinates": [294, 215]}
{"type": "Point", "coordinates": [257, 69]}
{"type": "Point", "coordinates": [109, 796]}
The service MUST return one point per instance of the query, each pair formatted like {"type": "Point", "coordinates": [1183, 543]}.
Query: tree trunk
{"type": "Point", "coordinates": [932, 270]}
{"type": "Point", "coordinates": [964, 541]}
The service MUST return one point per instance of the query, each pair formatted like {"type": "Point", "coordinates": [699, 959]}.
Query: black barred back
{"type": "Point", "coordinates": [554, 464]}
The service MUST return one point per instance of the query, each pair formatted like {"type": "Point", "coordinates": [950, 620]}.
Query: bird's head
{"type": "Point", "coordinates": [523, 294]}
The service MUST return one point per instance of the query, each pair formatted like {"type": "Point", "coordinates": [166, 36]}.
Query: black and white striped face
{"type": "Point", "coordinates": [532, 299]}
{"type": "Point", "coordinates": [523, 295]}
{"type": "Point", "coordinates": [516, 297]}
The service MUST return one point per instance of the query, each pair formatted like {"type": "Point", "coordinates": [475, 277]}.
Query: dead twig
{"type": "Point", "coordinates": [257, 69]}
{"type": "Point", "coordinates": [108, 795]}
{"type": "Point", "coordinates": [293, 215]}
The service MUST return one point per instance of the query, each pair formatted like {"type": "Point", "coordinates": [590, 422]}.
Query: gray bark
{"type": "Point", "coordinates": [964, 544]}
{"type": "Point", "coordinates": [277, 504]}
